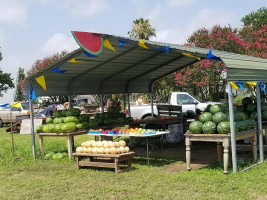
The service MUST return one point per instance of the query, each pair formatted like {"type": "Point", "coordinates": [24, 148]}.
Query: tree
{"type": "Point", "coordinates": [18, 95]}
{"type": "Point", "coordinates": [142, 29]}
{"type": "Point", "coordinates": [258, 18]}
{"type": "Point", "coordinates": [6, 82]}
{"type": "Point", "coordinates": [206, 78]}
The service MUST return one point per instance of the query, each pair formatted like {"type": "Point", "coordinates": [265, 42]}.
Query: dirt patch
{"type": "Point", "coordinates": [182, 167]}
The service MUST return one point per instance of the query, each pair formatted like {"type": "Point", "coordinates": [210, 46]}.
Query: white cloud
{"type": "Point", "coordinates": [154, 14]}
{"type": "Point", "coordinates": [13, 12]}
{"type": "Point", "coordinates": [59, 42]}
{"type": "Point", "coordinates": [180, 3]}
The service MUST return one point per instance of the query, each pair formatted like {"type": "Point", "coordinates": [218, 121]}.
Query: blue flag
{"type": "Point", "coordinates": [57, 70]}
{"type": "Point", "coordinates": [240, 85]}
{"type": "Point", "coordinates": [166, 49]}
{"type": "Point", "coordinates": [88, 54]}
{"type": "Point", "coordinates": [33, 95]}
{"type": "Point", "coordinates": [122, 42]}
{"type": "Point", "coordinates": [4, 105]}
{"type": "Point", "coordinates": [211, 56]}
{"type": "Point", "coordinates": [262, 88]}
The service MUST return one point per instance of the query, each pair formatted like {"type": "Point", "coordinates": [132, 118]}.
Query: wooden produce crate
{"type": "Point", "coordinates": [112, 161]}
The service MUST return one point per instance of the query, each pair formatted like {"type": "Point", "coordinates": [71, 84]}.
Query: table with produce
{"type": "Point", "coordinates": [214, 126]}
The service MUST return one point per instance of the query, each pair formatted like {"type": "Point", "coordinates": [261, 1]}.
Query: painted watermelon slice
{"type": "Point", "coordinates": [92, 43]}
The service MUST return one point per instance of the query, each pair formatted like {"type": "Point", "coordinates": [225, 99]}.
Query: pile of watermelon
{"type": "Point", "coordinates": [112, 116]}
{"type": "Point", "coordinates": [65, 121]}
{"type": "Point", "coordinates": [215, 119]}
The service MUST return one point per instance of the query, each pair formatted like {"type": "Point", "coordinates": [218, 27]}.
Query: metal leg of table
{"type": "Point", "coordinates": [147, 151]}
{"type": "Point", "coordinates": [161, 146]}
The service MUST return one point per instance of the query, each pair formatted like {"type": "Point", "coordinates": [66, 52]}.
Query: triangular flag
{"type": "Point", "coordinates": [252, 84]}
{"type": "Point", "coordinates": [73, 60]}
{"type": "Point", "coordinates": [33, 95]}
{"type": "Point", "coordinates": [262, 88]}
{"type": "Point", "coordinates": [233, 85]}
{"type": "Point", "coordinates": [16, 104]}
{"type": "Point", "coordinates": [122, 42]}
{"type": "Point", "coordinates": [41, 81]}
{"type": "Point", "coordinates": [88, 54]}
{"type": "Point", "coordinates": [211, 56]}
{"type": "Point", "coordinates": [192, 56]}
{"type": "Point", "coordinates": [4, 105]}
{"type": "Point", "coordinates": [142, 44]}
{"type": "Point", "coordinates": [166, 49]}
{"type": "Point", "coordinates": [108, 45]}
{"type": "Point", "coordinates": [57, 70]}
{"type": "Point", "coordinates": [240, 85]}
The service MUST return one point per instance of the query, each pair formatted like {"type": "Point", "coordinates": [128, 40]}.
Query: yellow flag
{"type": "Point", "coordinates": [192, 56]}
{"type": "Point", "coordinates": [142, 44]}
{"type": "Point", "coordinates": [73, 60]}
{"type": "Point", "coordinates": [108, 45]}
{"type": "Point", "coordinates": [41, 81]}
{"type": "Point", "coordinates": [233, 85]}
{"type": "Point", "coordinates": [252, 84]}
{"type": "Point", "coordinates": [16, 104]}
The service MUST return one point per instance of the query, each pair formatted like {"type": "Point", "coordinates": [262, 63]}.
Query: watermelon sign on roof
{"type": "Point", "coordinates": [92, 43]}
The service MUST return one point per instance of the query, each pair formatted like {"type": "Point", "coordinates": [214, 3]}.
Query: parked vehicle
{"type": "Point", "coordinates": [184, 99]}
{"type": "Point", "coordinates": [24, 109]}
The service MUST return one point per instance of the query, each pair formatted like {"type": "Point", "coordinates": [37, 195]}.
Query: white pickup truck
{"type": "Point", "coordinates": [184, 99]}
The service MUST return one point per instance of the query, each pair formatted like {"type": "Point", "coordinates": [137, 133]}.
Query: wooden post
{"type": "Point", "coordinates": [69, 146]}
{"type": "Point", "coordinates": [41, 144]}
{"type": "Point", "coordinates": [226, 144]}
{"type": "Point", "coordinates": [219, 151]}
{"type": "Point", "coordinates": [188, 152]}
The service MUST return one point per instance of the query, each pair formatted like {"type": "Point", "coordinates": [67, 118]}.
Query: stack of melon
{"type": "Point", "coordinates": [65, 121]}
{"type": "Point", "coordinates": [103, 147]}
{"type": "Point", "coordinates": [217, 119]}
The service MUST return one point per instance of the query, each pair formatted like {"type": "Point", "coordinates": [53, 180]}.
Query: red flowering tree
{"type": "Point", "coordinates": [206, 78]}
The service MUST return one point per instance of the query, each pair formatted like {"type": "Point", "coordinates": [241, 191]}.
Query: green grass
{"type": "Point", "coordinates": [47, 179]}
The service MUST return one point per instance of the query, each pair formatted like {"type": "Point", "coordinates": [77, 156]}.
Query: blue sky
{"type": "Point", "coordinates": [34, 29]}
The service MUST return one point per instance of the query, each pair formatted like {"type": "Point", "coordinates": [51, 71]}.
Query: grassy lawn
{"type": "Point", "coordinates": [47, 179]}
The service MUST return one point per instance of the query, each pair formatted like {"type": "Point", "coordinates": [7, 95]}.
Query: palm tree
{"type": "Point", "coordinates": [142, 29]}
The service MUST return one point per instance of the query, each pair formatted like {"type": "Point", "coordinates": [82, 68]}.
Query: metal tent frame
{"type": "Point", "coordinates": [132, 68]}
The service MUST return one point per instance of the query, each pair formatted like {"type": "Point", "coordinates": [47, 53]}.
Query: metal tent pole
{"type": "Point", "coordinates": [232, 125]}
{"type": "Point", "coordinates": [151, 96]}
{"type": "Point", "coordinates": [32, 126]}
{"type": "Point", "coordinates": [102, 103]}
{"type": "Point", "coordinates": [129, 106]}
{"type": "Point", "coordinates": [70, 105]}
{"type": "Point", "coordinates": [259, 123]}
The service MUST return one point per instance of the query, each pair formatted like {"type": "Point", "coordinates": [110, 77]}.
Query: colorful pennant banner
{"type": "Point", "coordinates": [192, 56]}
{"type": "Point", "coordinates": [41, 81]}
{"type": "Point", "coordinates": [16, 104]}
{"type": "Point", "coordinates": [57, 70]}
{"type": "Point", "coordinates": [73, 60]}
{"type": "Point", "coordinates": [108, 45]}
{"type": "Point", "coordinates": [142, 44]}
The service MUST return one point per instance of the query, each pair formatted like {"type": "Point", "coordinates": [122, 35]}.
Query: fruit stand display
{"type": "Point", "coordinates": [214, 126]}
{"type": "Point", "coordinates": [104, 154]}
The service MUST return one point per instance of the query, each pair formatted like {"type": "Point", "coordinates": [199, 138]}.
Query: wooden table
{"type": "Point", "coordinates": [68, 135]}
{"type": "Point", "coordinates": [222, 140]}
{"type": "Point", "coordinates": [105, 161]}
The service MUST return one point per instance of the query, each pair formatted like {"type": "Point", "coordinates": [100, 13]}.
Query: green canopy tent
{"type": "Point", "coordinates": [132, 68]}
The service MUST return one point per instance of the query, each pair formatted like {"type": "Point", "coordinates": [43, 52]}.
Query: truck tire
{"type": "Point", "coordinates": [1, 123]}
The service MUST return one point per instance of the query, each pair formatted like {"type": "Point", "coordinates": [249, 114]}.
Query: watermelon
{"type": "Point", "coordinates": [71, 119]}
{"type": "Point", "coordinates": [119, 120]}
{"type": "Point", "coordinates": [253, 123]}
{"type": "Point", "coordinates": [79, 126]}
{"type": "Point", "coordinates": [91, 43]}
{"type": "Point", "coordinates": [223, 128]}
{"type": "Point", "coordinates": [58, 113]}
{"type": "Point", "coordinates": [112, 110]}
{"type": "Point", "coordinates": [93, 123]}
{"type": "Point", "coordinates": [209, 127]}
{"type": "Point", "coordinates": [97, 116]}
{"type": "Point", "coordinates": [240, 116]}
{"type": "Point", "coordinates": [109, 121]}
{"type": "Point", "coordinates": [63, 113]}
{"type": "Point", "coordinates": [246, 101]}
{"type": "Point", "coordinates": [237, 125]}
{"type": "Point", "coordinates": [57, 128]}
{"type": "Point", "coordinates": [100, 122]}
{"type": "Point", "coordinates": [224, 108]}
{"type": "Point", "coordinates": [215, 108]}
{"type": "Point", "coordinates": [241, 126]}
{"type": "Point", "coordinates": [49, 155]}
{"type": "Point", "coordinates": [128, 120]}
{"type": "Point", "coordinates": [248, 124]}
{"type": "Point", "coordinates": [254, 115]}
{"type": "Point", "coordinates": [73, 112]}
{"type": "Point", "coordinates": [60, 156]}
{"type": "Point", "coordinates": [251, 108]}
{"type": "Point", "coordinates": [219, 117]}
{"type": "Point", "coordinates": [68, 127]}
{"type": "Point", "coordinates": [84, 118]}
{"type": "Point", "coordinates": [103, 115]}
{"type": "Point", "coordinates": [264, 107]}
{"type": "Point", "coordinates": [39, 129]}
{"type": "Point", "coordinates": [48, 128]}
{"type": "Point", "coordinates": [62, 119]}
{"type": "Point", "coordinates": [190, 114]}
{"type": "Point", "coordinates": [205, 116]}
{"type": "Point", "coordinates": [57, 120]}
{"type": "Point", "coordinates": [240, 108]}
{"type": "Point", "coordinates": [264, 115]}
{"type": "Point", "coordinates": [195, 127]}
{"type": "Point", "coordinates": [122, 114]}
{"type": "Point", "coordinates": [49, 120]}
